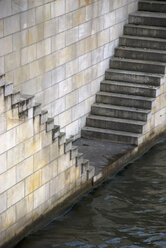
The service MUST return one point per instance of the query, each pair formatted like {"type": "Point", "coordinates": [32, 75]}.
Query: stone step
{"type": "Point", "coordinates": [111, 135]}
{"type": "Point", "coordinates": [43, 116]}
{"type": "Point", "coordinates": [152, 6]}
{"type": "Point", "coordinates": [141, 54]}
{"type": "Point", "coordinates": [68, 145]}
{"type": "Point", "coordinates": [49, 124]}
{"type": "Point", "coordinates": [8, 89]}
{"type": "Point", "coordinates": [73, 152]}
{"type": "Point", "coordinates": [16, 96]}
{"type": "Point", "coordinates": [26, 102]}
{"type": "Point", "coordinates": [61, 138]}
{"type": "Point", "coordinates": [148, 18]}
{"type": "Point", "coordinates": [145, 31]}
{"type": "Point", "coordinates": [142, 42]}
{"type": "Point", "coordinates": [37, 109]}
{"type": "Point", "coordinates": [138, 65]}
{"type": "Point", "coordinates": [120, 112]}
{"type": "Point", "coordinates": [55, 132]}
{"type": "Point", "coordinates": [125, 100]}
{"type": "Point", "coordinates": [117, 124]}
{"type": "Point", "coordinates": [134, 76]}
{"type": "Point", "coordinates": [129, 88]}
{"type": "Point", "coordinates": [79, 159]}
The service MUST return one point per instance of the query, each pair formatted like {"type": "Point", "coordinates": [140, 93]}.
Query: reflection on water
{"type": "Point", "coordinates": [128, 211]}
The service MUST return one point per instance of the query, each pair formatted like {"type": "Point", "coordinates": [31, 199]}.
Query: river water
{"type": "Point", "coordinates": [128, 211]}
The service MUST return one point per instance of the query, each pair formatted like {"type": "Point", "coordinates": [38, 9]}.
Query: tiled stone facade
{"type": "Point", "coordinates": [58, 50]}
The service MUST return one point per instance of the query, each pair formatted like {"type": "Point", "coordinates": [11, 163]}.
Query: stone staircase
{"type": "Point", "coordinates": [133, 81]}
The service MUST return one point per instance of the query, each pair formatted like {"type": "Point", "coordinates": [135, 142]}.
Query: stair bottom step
{"type": "Point", "coordinates": [111, 135]}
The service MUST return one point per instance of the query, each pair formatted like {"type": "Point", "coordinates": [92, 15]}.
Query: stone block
{"type": "Point", "coordinates": [28, 19]}
{"type": "Point", "coordinates": [7, 179]}
{"type": "Point", "coordinates": [28, 54]}
{"type": "Point", "coordinates": [33, 182]}
{"type": "Point", "coordinates": [77, 110]}
{"type": "Point", "coordinates": [72, 5]}
{"type": "Point", "coordinates": [121, 14]}
{"type": "Point", "coordinates": [85, 30]}
{"type": "Point", "coordinates": [25, 206]}
{"type": "Point", "coordinates": [97, 55]}
{"type": "Point", "coordinates": [71, 36]}
{"type": "Point", "coordinates": [58, 74]}
{"type": "Point", "coordinates": [2, 65]}
{"type": "Point", "coordinates": [21, 74]}
{"type": "Point", "coordinates": [50, 28]}
{"type": "Point", "coordinates": [85, 61]}
{"type": "Point", "coordinates": [19, 6]}
{"type": "Point", "coordinates": [84, 92]}
{"type": "Point", "coordinates": [43, 13]}
{"type": "Point", "coordinates": [24, 169]}
{"type": "Point", "coordinates": [3, 201]}
{"type": "Point", "coordinates": [72, 68]}
{"type": "Point", "coordinates": [65, 118]}
{"type": "Point", "coordinates": [36, 33]}
{"type": "Point", "coordinates": [70, 176]}
{"type": "Point", "coordinates": [6, 45]}
{"type": "Point", "coordinates": [11, 24]}
{"type": "Point", "coordinates": [57, 8]}
{"type": "Point", "coordinates": [67, 54]}
{"type": "Point", "coordinates": [79, 16]}
{"type": "Point", "coordinates": [41, 195]}
{"type": "Point", "coordinates": [12, 118]}
{"type": "Point", "coordinates": [103, 37]}
{"type": "Point", "coordinates": [57, 184]}
{"type": "Point", "coordinates": [21, 134]}
{"type": "Point", "coordinates": [6, 6]}
{"type": "Point", "coordinates": [15, 155]}
{"type": "Point", "coordinates": [72, 99]}
{"type": "Point", "coordinates": [65, 87]}
{"type": "Point", "coordinates": [15, 194]}
{"type": "Point", "coordinates": [63, 163]}
{"type": "Point", "coordinates": [33, 145]}
{"type": "Point", "coordinates": [12, 61]}
{"type": "Point", "coordinates": [20, 39]}
{"type": "Point", "coordinates": [47, 173]}
{"type": "Point", "coordinates": [54, 150]}
{"type": "Point", "coordinates": [58, 41]}
{"type": "Point", "coordinates": [8, 218]}
{"type": "Point", "coordinates": [44, 48]}
{"type": "Point", "coordinates": [37, 68]}
{"type": "Point", "coordinates": [41, 158]}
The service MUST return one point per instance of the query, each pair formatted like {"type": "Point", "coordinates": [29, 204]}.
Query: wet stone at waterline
{"type": "Point", "coordinates": [129, 211]}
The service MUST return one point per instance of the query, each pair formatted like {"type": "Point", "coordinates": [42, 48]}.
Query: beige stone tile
{"type": "Point", "coordinates": [57, 8]}
{"type": "Point", "coordinates": [33, 182]}
{"type": "Point", "coordinates": [28, 19]}
{"type": "Point", "coordinates": [6, 6]}
{"type": "Point", "coordinates": [25, 206]}
{"type": "Point", "coordinates": [3, 201]}
{"type": "Point", "coordinates": [6, 45]}
{"type": "Point", "coordinates": [44, 48]}
{"type": "Point", "coordinates": [28, 54]}
{"type": "Point", "coordinates": [21, 74]}
{"type": "Point", "coordinates": [15, 155]}
{"type": "Point", "coordinates": [36, 33]}
{"type": "Point", "coordinates": [21, 134]}
{"type": "Point", "coordinates": [41, 195]}
{"type": "Point", "coordinates": [43, 13]}
{"type": "Point", "coordinates": [34, 3]}
{"type": "Point", "coordinates": [33, 145]}
{"type": "Point", "coordinates": [12, 61]}
{"type": "Point", "coordinates": [24, 169]}
{"type": "Point", "coordinates": [11, 24]}
{"type": "Point", "coordinates": [41, 158]}
{"type": "Point", "coordinates": [15, 194]}
{"type": "Point", "coordinates": [8, 218]}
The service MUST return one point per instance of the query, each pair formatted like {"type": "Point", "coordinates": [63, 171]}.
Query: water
{"type": "Point", "coordinates": [128, 211]}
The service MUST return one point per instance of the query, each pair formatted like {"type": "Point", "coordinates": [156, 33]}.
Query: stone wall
{"type": "Point", "coordinates": [58, 50]}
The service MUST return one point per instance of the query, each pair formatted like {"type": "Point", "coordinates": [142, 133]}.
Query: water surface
{"type": "Point", "coordinates": [128, 211]}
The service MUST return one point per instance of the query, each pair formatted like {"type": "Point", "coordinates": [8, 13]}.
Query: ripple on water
{"type": "Point", "coordinates": [127, 212]}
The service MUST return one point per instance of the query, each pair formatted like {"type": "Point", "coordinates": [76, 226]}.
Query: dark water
{"type": "Point", "coordinates": [128, 211]}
